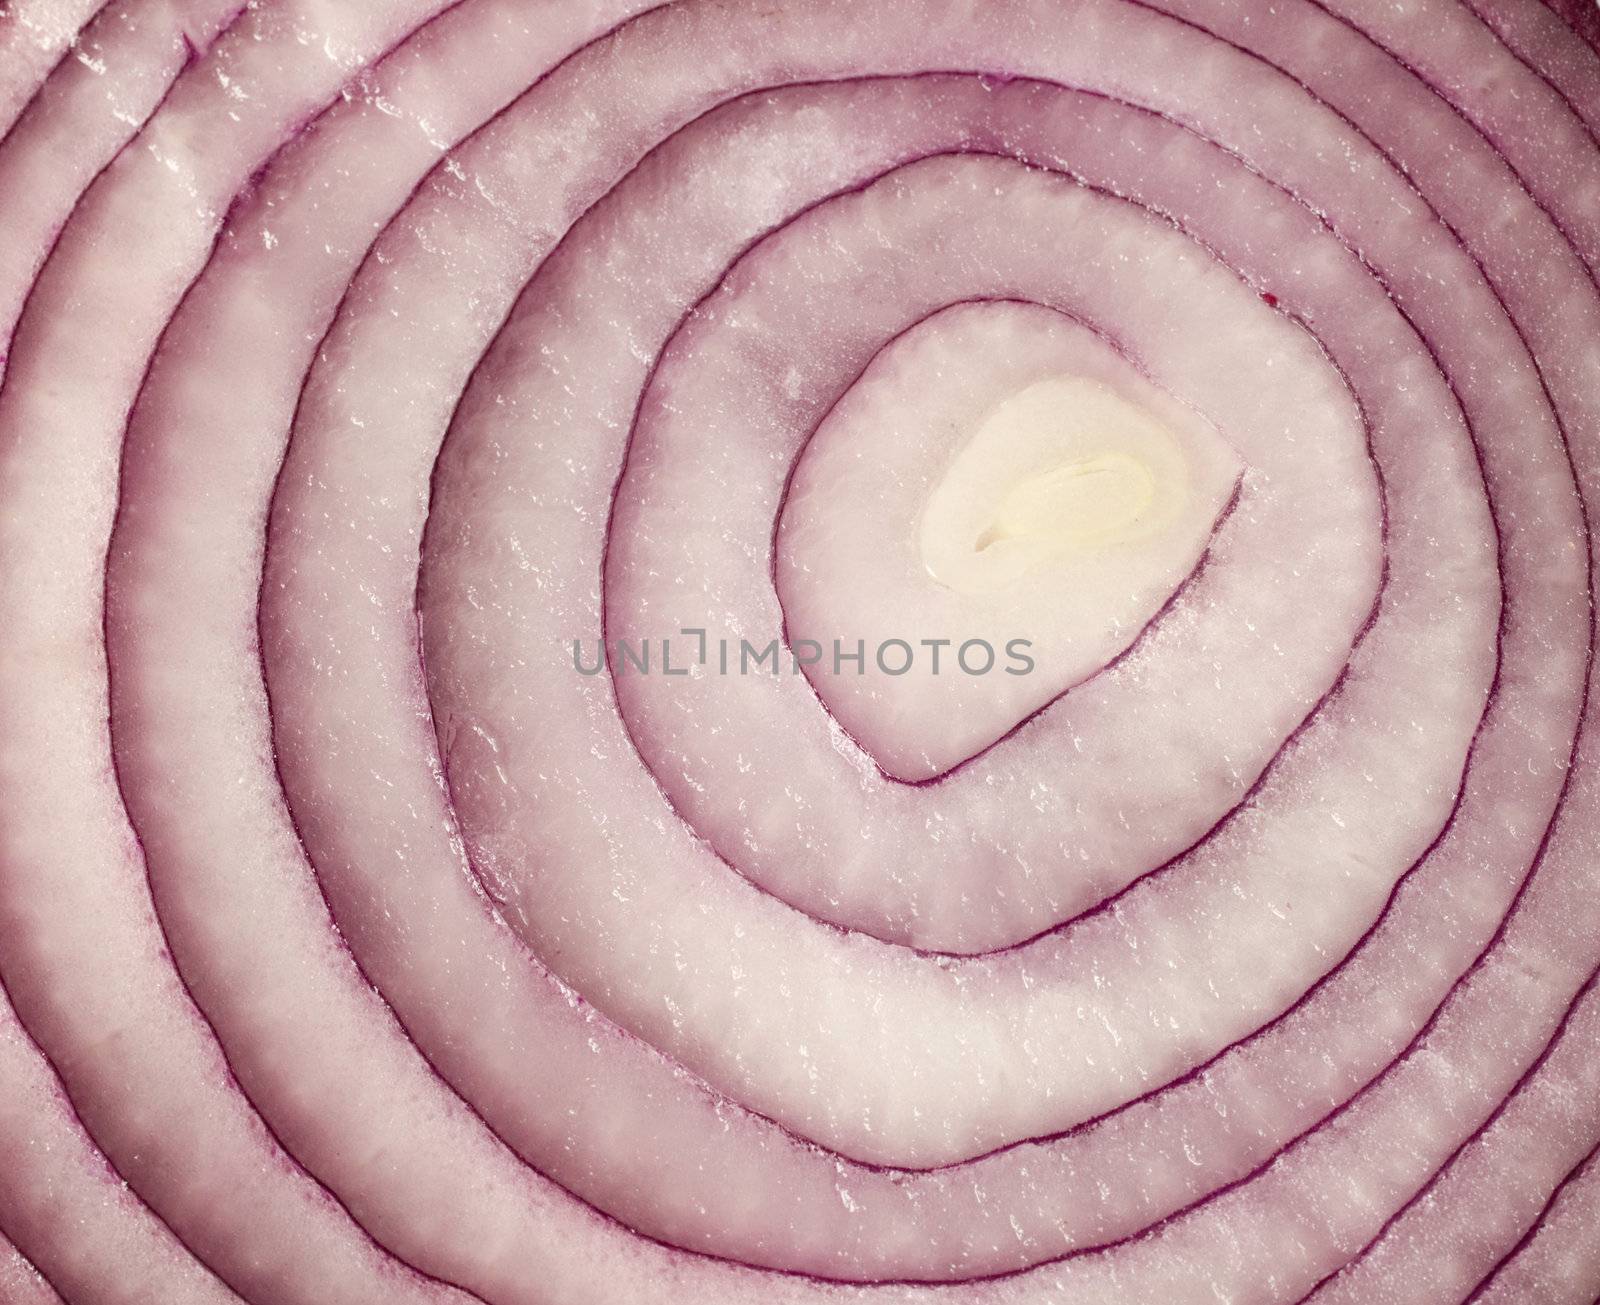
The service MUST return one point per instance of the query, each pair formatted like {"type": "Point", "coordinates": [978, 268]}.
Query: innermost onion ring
{"type": "Point", "coordinates": [992, 513]}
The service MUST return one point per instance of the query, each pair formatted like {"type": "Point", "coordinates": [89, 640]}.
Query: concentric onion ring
{"type": "Point", "coordinates": [363, 359]}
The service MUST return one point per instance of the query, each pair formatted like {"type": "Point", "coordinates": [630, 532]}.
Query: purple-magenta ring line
{"type": "Point", "coordinates": [1572, 1176]}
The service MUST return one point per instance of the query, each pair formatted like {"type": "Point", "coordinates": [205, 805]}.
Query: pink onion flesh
{"type": "Point", "coordinates": [367, 368]}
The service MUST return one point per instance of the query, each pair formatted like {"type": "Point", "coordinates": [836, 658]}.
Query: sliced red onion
{"type": "Point", "coordinates": [1234, 365]}
{"type": "Point", "coordinates": [861, 1186]}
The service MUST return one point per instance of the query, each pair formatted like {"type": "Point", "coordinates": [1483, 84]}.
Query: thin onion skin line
{"type": "Point", "coordinates": [68, 48]}
{"type": "Point", "coordinates": [1018, 1144]}
{"type": "Point", "coordinates": [1200, 1069]}
{"type": "Point", "coordinates": [1572, 1176]}
{"type": "Point", "coordinates": [1584, 23]}
{"type": "Point", "coordinates": [8, 1243]}
{"type": "Point", "coordinates": [1472, 7]}
{"type": "Point", "coordinates": [196, 1009]}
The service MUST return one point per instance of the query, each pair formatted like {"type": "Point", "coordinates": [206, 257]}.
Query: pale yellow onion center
{"type": "Point", "coordinates": [1058, 473]}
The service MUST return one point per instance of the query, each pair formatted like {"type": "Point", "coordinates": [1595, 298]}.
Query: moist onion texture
{"type": "Point", "coordinates": [484, 491]}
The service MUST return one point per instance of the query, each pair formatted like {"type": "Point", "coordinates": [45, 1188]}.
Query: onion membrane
{"type": "Point", "coordinates": [717, 652]}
